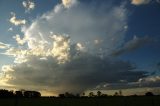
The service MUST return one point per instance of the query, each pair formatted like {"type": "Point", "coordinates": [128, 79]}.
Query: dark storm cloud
{"type": "Point", "coordinates": [151, 81]}
{"type": "Point", "coordinates": [99, 28]}
{"type": "Point", "coordinates": [80, 73]}
{"type": "Point", "coordinates": [132, 45]}
{"type": "Point", "coordinates": [147, 81]}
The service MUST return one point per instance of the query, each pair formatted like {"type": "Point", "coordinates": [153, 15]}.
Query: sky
{"type": "Point", "coordinates": [57, 46]}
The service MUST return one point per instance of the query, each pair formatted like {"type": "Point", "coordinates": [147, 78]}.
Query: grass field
{"type": "Point", "coordinates": [108, 101]}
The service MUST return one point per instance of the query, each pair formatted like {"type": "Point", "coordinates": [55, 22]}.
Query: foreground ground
{"type": "Point", "coordinates": [108, 101]}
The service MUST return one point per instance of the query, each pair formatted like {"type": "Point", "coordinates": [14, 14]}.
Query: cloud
{"type": "Point", "coordinates": [158, 1]}
{"type": "Point", "coordinates": [19, 40]}
{"type": "Point", "coordinates": [19, 54]}
{"type": "Point", "coordinates": [84, 23]}
{"type": "Point", "coordinates": [67, 49]}
{"type": "Point", "coordinates": [151, 81]}
{"type": "Point", "coordinates": [140, 2]}
{"type": "Point", "coordinates": [158, 64]}
{"type": "Point", "coordinates": [16, 21]}
{"type": "Point", "coordinates": [10, 29]}
{"type": "Point", "coordinates": [28, 5]}
{"type": "Point", "coordinates": [131, 45]}
{"type": "Point", "coordinates": [147, 81]}
{"type": "Point", "coordinates": [80, 47]}
{"type": "Point", "coordinates": [88, 70]}
{"type": "Point", "coordinates": [59, 49]}
{"type": "Point", "coordinates": [68, 3]}
{"type": "Point", "coordinates": [40, 71]}
{"type": "Point", "coordinates": [4, 46]}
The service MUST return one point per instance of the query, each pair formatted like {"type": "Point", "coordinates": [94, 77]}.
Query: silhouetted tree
{"type": "Point", "coordinates": [61, 95]}
{"type": "Point", "coordinates": [30, 94]}
{"type": "Point", "coordinates": [69, 95]}
{"type": "Point", "coordinates": [149, 94]}
{"type": "Point", "coordinates": [27, 94]}
{"type": "Point", "coordinates": [116, 94]}
{"type": "Point", "coordinates": [18, 94]}
{"type": "Point", "coordinates": [77, 95]}
{"type": "Point", "coordinates": [104, 95]}
{"type": "Point", "coordinates": [21, 93]}
{"type": "Point", "coordinates": [135, 95]}
{"type": "Point", "coordinates": [91, 94]}
{"type": "Point", "coordinates": [83, 94]}
{"type": "Point", "coordinates": [6, 93]}
{"type": "Point", "coordinates": [99, 93]}
{"type": "Point", "coordinates": [120, 93]}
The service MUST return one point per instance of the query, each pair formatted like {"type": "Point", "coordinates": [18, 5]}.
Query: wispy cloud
{"type": "Point", "coordinates": [68, 3]}
{"type": "Point", "coordinates": [131, 45]}
{"type": "Point", "coordinates": [16, 21]}
{"type": "Point", "coordinates": [10, 29]}
{"type": "Point", "coordinates": [151, 81]}
{"type": "Point", "coordinates": [146, 81]}
{"type": "Point", "coordinates": [28, 5]}
{"type": "Point", "coordinates": [4, 46]}
{"type": "Point", "coordinates": [140, 2]}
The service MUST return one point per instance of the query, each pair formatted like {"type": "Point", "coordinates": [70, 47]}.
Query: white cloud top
{"type": "Point", "coordinates": [19, 40]}
{"type": "Point", "coordinates": [68, 3]}
{"type": "Point", "coordinates": [28, 5]}
{"type": "Point", "coordinates": [4, 46]}
{"type": "Point", "coordinates": [10, 29]}
{"type": "Point", "coordinates": [139, 2]}
{"type": "Point", "coordinates": [16, 21]}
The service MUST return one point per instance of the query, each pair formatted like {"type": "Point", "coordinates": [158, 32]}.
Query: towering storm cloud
{"type": "Point", "coordinates": [69, 49]}
{"type": "Point", "coordinates": [96, 26]}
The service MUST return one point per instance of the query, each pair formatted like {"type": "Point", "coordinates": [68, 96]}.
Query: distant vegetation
{"type": "Point", "coordinates": [34, 98]}
{"type": "Point", "coordinates": [21, 93]}
{"type": "Point", "coordinates": [98, 95]}
{"type": "Point", "coordinates": [36, 94]}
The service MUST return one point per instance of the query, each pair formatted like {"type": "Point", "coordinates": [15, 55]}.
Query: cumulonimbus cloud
{"type": "Point", "coordinates": [67, 49]}
{"type": "Point", "coordinates": [84, 23]}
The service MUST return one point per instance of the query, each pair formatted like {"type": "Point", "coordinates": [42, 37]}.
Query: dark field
{"type": "Point", "coordinates": [108, 101]}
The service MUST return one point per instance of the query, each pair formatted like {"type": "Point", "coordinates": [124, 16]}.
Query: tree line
{"type": "Point", "coordinates": [36, 94]}
{"type": "Point", "coordinates": [20, 93]}
{"type": "Point", "coordinates": [97, 94]}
